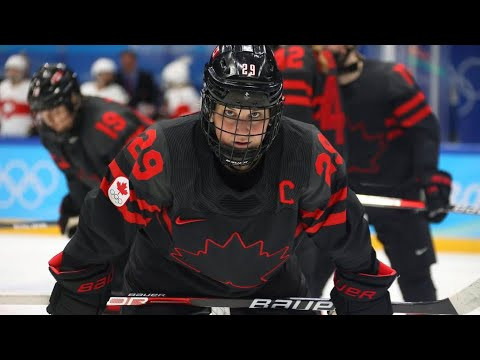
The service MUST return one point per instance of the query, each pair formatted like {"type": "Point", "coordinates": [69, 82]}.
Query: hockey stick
{"type": "Point", "coordinates": [396, 203]}
{"type": "Point", "coordinates": [461, 303]}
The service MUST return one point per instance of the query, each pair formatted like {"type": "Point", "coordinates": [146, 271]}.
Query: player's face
{"type": "Point", "coordinates": [240, 128]}
{"type": "Point", "coordinates": [59, 119]}
{"type": "Point", "coordinates": [14, 75]}
{"type": "Point", "coordinates": [104, 79]}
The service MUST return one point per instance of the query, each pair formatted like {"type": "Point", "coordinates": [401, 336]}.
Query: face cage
{"type": "Point", "coordinates": [230, 155]}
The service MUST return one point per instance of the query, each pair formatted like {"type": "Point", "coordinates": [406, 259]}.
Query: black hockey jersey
{"type": "Point", "coordinates": [101, 129]}
{"type": "Point", "coordinates": [393, 135]}
{"type": "Point", "coordinates": [192, 235]}
{"type": "Point", "coordinates": [311, 93]}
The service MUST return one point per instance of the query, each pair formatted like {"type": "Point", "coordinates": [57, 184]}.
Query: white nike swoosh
{"type": "Point", "coordinates": [421, 251]}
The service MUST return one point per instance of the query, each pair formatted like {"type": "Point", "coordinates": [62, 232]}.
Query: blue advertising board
{"type": "Point", "coordinates": [31, 186]}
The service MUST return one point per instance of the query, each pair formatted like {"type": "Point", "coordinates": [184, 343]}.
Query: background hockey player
{"type": "Point", "coordinates": [393, 148]}
{"type": "Point", "coordinates": [103, 85]}
{"type": "Point", "coordinates": [83, 134]}
{"type": "Point", "coordinates": [214, 204]}
{"type": "Point", "coordinates": [15, 117]}
{"type": "Point", "coordinates": [179, 95]}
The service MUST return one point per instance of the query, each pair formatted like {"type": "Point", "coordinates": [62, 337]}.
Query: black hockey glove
{"type": "Point", "coordinates": [79, 292]}
{"type": "Point", "coordinates": [363, 294]}
{"type": "Point", "coordinates": [437, 192]}
{"type": "Point", "coordinates": [68, 221]}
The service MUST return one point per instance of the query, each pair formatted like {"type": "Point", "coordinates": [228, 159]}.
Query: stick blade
{"type": "Point", "coordinates": [468, 299]}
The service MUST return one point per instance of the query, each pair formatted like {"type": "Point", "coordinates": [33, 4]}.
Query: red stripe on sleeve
{"type": "Point", "coordinates": [143, 204]}
{"type": "Point", "coordinates": [332, 219]}
{"type": "Point", "coordinates": [409, 104]}
{"type": "Point", "coordinates": [334, 199]}
{"type": "Point", "coordinates": [417, 117]}
{"type": "Point", "coordinates": [402, 70]}
{"type": "Point", "coordinates": [298, 85]}
{"type": "Point", "coordinates": [297, 100]}
{"type": "Point", "coordinates": [115, 169]}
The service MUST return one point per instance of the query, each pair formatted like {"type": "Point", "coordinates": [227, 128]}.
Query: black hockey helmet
{"type": "Point", "coordinates": [51, 86]}
{"type": "Point", "coordinates": [245, 77]}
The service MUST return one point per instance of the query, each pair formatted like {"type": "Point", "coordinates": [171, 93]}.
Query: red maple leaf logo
{"type": "Point", "coordinates": [122, 187]}
{"type": "Point", "coordinates": [373, 144]}
{"type": "Point", "coordinates": [234, 263]}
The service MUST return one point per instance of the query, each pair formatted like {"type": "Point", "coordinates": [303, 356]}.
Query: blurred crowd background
{"type": "Point", "coordinates": [163, 81]}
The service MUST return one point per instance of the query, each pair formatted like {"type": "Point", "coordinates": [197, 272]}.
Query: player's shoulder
{"type": "Point", "coordinates": [377, 70]}
{"type": "Point", "coordinates": [298, 132]}
{"type": "Point", "coordinates": [296, 126]}
{"type": "Point", "coordinates": [174, 127]}
{"type": "Point", "coordinates": [307, 136]}
{"type": "Point", "coordinates": [94, 107]}
{"type": "Point", "coordinates": [397, 74]}
{"type": "Point", "coordinates": [103, 124]}
{"type": "Point", "coordinates": [100, 113]}
{"type": "Point", "coordinates": [164, 134]}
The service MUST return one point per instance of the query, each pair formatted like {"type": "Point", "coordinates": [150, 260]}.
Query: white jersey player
{"type": "Point", "coordinates": [180, 97]}
{"type": "Point", "coordinates": [103, 71]}
{"type": "Point", "coordinates": [15, 117]}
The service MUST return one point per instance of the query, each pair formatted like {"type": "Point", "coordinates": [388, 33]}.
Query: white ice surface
{"type": "Point", "coordinates": [24, 269]}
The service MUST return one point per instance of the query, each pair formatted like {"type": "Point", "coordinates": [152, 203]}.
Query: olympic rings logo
{"type": "Point", "coordinates": [21, 181]}
{"type": "Point", "coordinates": [116, 196]}
{"type": "Point", "coordinates": [466, 194]}
{"type": "Point", "coordinates": [465, 86]}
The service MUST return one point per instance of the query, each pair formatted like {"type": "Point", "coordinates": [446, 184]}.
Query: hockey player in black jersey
{"type": "Point", "coordinates": [393, 148]}
{"type": "Point", "coordinates": [312, 96]}
{"type": "Point", "coordinates": [215, 203]}
{"type": "Point", "coordinates": [311, 90]}
{"type": "Point", "coordinates": [83, 134]}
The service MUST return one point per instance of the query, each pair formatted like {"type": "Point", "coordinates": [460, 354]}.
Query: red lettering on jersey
{"type": "Point", "coordinates": [139, 143]}
{"type": "Point", "coordinates": [326, 159]}
{"type": "Point", "coordinates": [330, 115]}
{"type": "Point", "coordinates": [324, 163]}
{"type": "Point", "coordinates": [152, 161]}
{"type": "Point", "coordinates": [281, 186]}
{"type": "Point", "coordinates": [326, 144]}
{"type": "Point", "coordinates": [111, 124]}
{"type": "Point", "coordinates": [290, 58]}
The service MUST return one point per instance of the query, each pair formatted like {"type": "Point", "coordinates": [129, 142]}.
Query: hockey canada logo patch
{"type": "Point", "coordinates": [119, 192]}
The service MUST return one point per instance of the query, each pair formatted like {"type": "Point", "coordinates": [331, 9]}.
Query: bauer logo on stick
{"type": "Point", "coordinates": [118, 192]}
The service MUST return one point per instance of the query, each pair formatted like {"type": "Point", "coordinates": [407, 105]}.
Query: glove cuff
{"type": "Point", "coordinates": [89, 280]}
{"type": "Point", "coordinates": [364, 287]}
